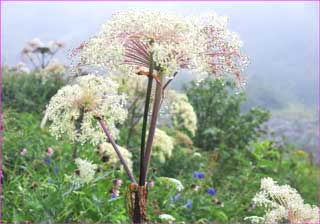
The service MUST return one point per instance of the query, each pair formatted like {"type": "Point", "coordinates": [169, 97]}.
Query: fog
{"type": "Point", "coordinates": [280, 38]}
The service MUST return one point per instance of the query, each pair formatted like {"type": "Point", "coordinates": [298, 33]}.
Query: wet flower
{"type": "Point", "coordinates": [50, 151]}
{"type": "Point", "coordinates": [23, 152]}
{"type": "Point", "coordinates": [211, 191]}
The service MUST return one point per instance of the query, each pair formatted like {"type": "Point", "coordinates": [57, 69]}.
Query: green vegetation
{"type": "Point", "coordinates": [220, 167]}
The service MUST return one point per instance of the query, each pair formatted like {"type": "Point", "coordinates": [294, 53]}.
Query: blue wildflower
{"type": "Point", "coordinates": [177, 197]}
{"type": "Point", "coordinates": [211, 191]}
{"type": "Point", "coordinates": [195, 174]}
{"type": "Point", "coordinates": [56, 169]}
{"type": "Point", "coordinates": [200, 175]}
{"type": "Point", "coordinates": [47, 160]}
{"type": "Point", "coordinates": [113, 195]}
{"type": "Point", "coordinates": [189, 204]}
{"type": "Point", "coordinates": [171, 198]}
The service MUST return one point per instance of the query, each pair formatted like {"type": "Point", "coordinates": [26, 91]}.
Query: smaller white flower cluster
{"type": "Point", "coordinates": [74, 108]}
{"type": "Point", "coordinates": [283, 203]}
{"type": "Point", "coordinates": [166, 217]}
{"type": "Point", "coordinates": [175, 182]}
{"type": "Point", "coordinates": [36, 44]}
{"type": "Point", "coordinates": [162, 145]}
{"type": "Point", "coordinates": [182, 112]}
{"type": "Point", "coordinates": [86, 171]}
{"type": "Point", "coordinates": [106, 149]}
{"type": "Point", "coordinates": [54, 68]}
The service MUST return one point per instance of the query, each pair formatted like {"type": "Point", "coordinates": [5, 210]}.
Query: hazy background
{"type": "Point", "coordinates": [281, 39]}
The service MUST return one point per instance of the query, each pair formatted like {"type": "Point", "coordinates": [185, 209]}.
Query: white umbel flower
{"type": "Point", "coordinates": [283, 203]}
{"type": "Point", "coordinates": [73, 109]}
{"type": "Point", "coordinates": [130, 38]}
{"type": "Point", "coordinates": [166, 217]}
{"type": "Point", "coordinates": [175, 182]}
{"type": "Point", "coordinates": [182, 113]}
{"type": "Point", "coordinates": [86, 171]}
{"type": "Point", "coordinates": [162, 145]}
{"type": "Point", "coordinates": [106, 149]}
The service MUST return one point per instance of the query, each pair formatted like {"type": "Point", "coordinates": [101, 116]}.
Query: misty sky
{"type": "Point", "coordinates": [280, 38]}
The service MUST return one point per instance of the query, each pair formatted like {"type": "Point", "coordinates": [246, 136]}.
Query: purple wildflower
{"type": "Point", "coordinates": [211, 191]}
{"type": "Point", "coordinates": [189, 204]}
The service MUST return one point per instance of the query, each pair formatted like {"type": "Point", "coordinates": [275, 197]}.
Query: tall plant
{"type": "Point", "coordinates": [155, 45]}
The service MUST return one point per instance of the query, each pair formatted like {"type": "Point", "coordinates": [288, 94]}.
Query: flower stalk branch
{"type": "Point", "coordinates": [123, 162]}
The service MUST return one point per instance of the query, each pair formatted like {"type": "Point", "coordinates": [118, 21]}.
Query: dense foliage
{"type": "Point", "coordinates": [29, 92]}
{"type": "Point", "coordinates": [220, 122]}
{"type": "Point", "coordinates": [217, 185]}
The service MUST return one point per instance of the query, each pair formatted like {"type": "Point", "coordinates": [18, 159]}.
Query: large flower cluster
{"type": "Point", "coordinates": [162, 145]}
{"type": "Point", "coordinates": [133, 39]}
{"type": "Point", "coordinates": [85, 172]}
{"type": "Point", "coordinates": [283, 203]}
{"type": "Point", "coordinates": [181, 111]}
{"type": "Point", "coordinates": [106, 149]}
{"type": "Point", "coordinates": [74, 108]}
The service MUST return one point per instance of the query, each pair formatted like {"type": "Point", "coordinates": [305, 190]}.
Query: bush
{"type": "Point", "coordinates": [28, 92]}
{"type": "Point", "coordinates": [220, 121]}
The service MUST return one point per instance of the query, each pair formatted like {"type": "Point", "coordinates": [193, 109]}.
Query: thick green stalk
{"type": "Point", "coordinates": [145, 120]}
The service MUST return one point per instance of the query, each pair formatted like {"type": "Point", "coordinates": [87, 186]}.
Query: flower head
{"type": "Point", "coordinates": [283, 203]}
{"type": "Point", "coordinates": [86, 171]}
{"type": "Point", "coordinates": [166, 217]}
{"type": "Point", "coordinates": [133, 40]}
{"type": "Point", "coordinates": [23, 152]}
{"type": "Point", "coordinates": [181, 112]}
{"type": "Point", "coordinates": [198, 175]}
{"type": "Point", "coordinates": [50, 151]}
{"type": "Point", "coordinates": [107, 150]}
{"type": "Point", "coordinates": [189, 204]}
{"type": "Point", "coordinates": [211, 191]}
{"type": "Point", "coordinates": [74, 108]}
{"type": "Point", "coordinates": [162, 145]}
{"type": "Point", "coordinates": [117, 183]}
{"type": "Point", "coordinates": [178, 185]}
